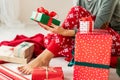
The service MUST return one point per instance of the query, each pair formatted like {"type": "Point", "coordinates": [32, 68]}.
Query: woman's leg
{"type": "Point", "coordinates": [42, 60]}
{"type": "Point", "coordinates": [59, 45]}
{"type": "Point", "coordinates": [75, 14]}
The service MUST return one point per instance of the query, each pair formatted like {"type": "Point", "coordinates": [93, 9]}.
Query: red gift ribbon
{"type": "Point", "coordinates": [44, 11]}
{"type": "Point", "coordinates": [48, 69]}
{"type": "Point", "coordinates": [89, 18]}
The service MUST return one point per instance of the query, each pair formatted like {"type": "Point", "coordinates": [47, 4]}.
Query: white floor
{"type": "Point", "coordinates": [8, 33]}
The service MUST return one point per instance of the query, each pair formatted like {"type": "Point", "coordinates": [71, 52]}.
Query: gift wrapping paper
{"type": "Point", "coordinates": [55, 79]}
{"type": "Point", "coordinates": [43, 18]}
{"type": "Point", "coordinates": [8, 74]}
{"type": "Point", "coordinates": [24, 50]}
{"type": "Point", "coordinates": [92, 56]}
{"type": "Point", "coordinates": [47, 73]}
{"type": "Point", "coordinates": [7, 55]}
{"type": "Point", "coordinates": [86, 24]}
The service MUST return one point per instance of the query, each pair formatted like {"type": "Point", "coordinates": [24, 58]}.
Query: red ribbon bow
{"type": "Point", "coordinates": [48, 69]}
{"type": "Point", "coordinates": [89, 18]}
{"type": "Point", "coordinates": [42, 10]}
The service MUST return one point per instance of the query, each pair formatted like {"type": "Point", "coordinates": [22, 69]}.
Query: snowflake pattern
{"type": "Point", "coordinates": [116, 42]}
{"type": "Point", "coordinates": [66, 44]}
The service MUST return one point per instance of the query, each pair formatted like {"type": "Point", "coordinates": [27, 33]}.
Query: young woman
{"type": "Point", "coordinates": [107, 11]}
{"type": "Point", "coordinates": [61, 41]}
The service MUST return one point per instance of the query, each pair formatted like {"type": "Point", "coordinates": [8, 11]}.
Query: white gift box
{"type": "Point", "coordinates": [24, 50]}
{"type": "Point", "coordinates": [6, 54]}
{"type": "Point", "coordinates": [86, 25]}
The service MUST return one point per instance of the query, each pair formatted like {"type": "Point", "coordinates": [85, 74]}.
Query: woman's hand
{"type": "Point", "coordinates": [53, 28]}
{"type": "Point", "coordinates": [58, 29]}
{"type": "Point", "coordinates": [105, 25]}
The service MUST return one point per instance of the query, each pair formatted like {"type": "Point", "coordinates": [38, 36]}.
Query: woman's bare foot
{"type": "Point", "coordinates": [42, 60]}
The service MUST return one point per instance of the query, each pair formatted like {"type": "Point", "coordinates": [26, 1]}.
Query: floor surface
{"type": "Point", "coordinates": [8, 33]}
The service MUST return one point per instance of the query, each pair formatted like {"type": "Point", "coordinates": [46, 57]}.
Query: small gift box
{"type": "Point", "coordinates": [55, 79]}
{"type": "Point", "coordinates": [7, 55]}
{"type": "Point", "coordinates": [24, 50]}
{"type": "Point", "coordinates": [8, 74]}
{"type": "Point", "coordinates": [43, 16]}
{"type": "Point", "coordinates": [86, 24]}
{"type": "Point", "coordinates": [92, 56]}
{"type": "Point", "coordinates": [47, 73]}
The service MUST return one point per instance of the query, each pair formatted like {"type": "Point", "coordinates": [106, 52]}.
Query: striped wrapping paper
{"type": "Point", "coordinates": [7, 74]}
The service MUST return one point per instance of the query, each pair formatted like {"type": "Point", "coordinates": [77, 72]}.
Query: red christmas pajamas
{"type": "Point", "coordinates": [60, 45]}
{"type": "Point", "coordinates": [63, 46]}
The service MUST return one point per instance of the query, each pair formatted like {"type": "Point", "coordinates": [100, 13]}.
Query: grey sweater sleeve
{"type": "Point", "coordinates": [105, 12]}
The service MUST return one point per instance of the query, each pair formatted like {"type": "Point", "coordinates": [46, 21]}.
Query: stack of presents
{"type": "Point", "coordinates": [22, 53]}
{"type": "Point", "coordinates": [91, 55]}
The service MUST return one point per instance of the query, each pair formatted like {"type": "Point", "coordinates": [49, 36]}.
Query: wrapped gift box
{"type": "Point", "coordinates": [8, 74]}
{"type": "Point", "coordinates": [50, 73]}
{"type": "Point", "coordinates": [6, 54]}
{"type": "Point", "coordinates": [24, 50]}
{"type": "Point", "coordinates": [55, 79]}
{"type": "Point", "coordinates": [92, 56]}
{"type": "Point", "coordinates": [86, 24]}
{"type": "Point", "coordinates": [43, 18]}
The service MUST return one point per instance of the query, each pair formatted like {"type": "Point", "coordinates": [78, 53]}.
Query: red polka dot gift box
{"type": "Point", "coordinates": [92, 55]}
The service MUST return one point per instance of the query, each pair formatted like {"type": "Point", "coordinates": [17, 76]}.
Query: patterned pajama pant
{"type": "Point", "coordinates": [60, 45]}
